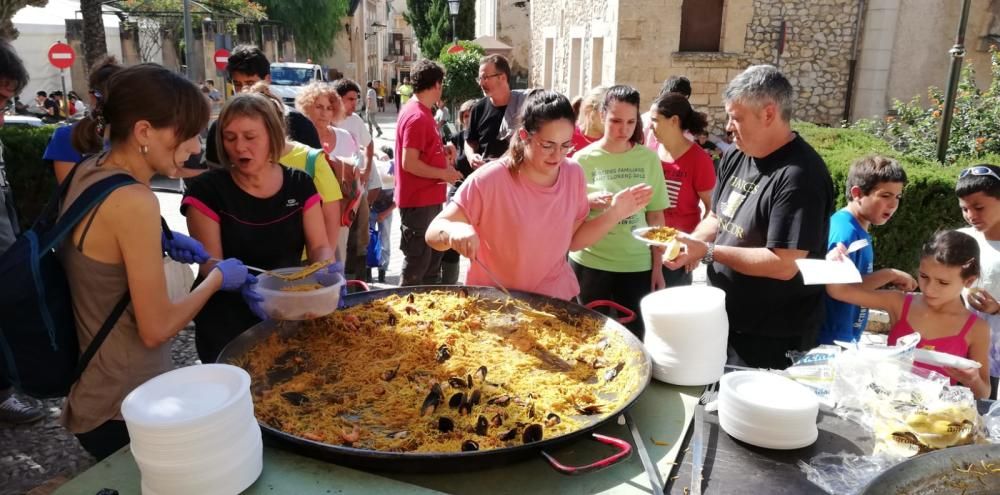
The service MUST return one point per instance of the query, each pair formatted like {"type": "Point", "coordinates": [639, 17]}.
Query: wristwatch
{"type": "Point", "coordinates": [709, 257]}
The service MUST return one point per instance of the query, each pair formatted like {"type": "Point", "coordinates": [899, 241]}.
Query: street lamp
{"type": "Point", "coordinates": [453, 8]}
{"type": "Point", "coordinates": [957, 52]}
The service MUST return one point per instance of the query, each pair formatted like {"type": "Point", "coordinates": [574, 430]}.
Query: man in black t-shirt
{"type": "Point", "coordinates": [495, 115]}
{"type": "Point", "coordinates": [247, 65]}
{"type": "Point", "coordinates": [771, 206]}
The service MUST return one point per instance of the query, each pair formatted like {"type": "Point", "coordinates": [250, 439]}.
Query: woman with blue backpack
{"type": "Point", "coordinates": [151, 118]}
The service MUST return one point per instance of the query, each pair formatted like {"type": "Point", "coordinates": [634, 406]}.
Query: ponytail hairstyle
{"type": "Point", "coordinates": [956, 249]}
{"type": "Point", "coordinates": [540, 107]}
{"type": "Point", "coordinates": [88, 134]}
{"type": "Point", "coordinates": [625, 94]}
{"type": "Point", "coordinates": [671, 104]}
{"type": "Point", "coordinates": [152, 93]}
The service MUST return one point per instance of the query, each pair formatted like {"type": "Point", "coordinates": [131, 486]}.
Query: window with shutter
{"type": "Point", "coordinates": [701, 25]}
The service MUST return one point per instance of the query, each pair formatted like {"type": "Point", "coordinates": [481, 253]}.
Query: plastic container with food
{"type": "Point", "coordinates": [302, 299]}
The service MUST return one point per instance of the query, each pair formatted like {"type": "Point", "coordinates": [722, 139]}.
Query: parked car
{"type": "Point", "coordinates": [22, 120]}
{"type": "Point", "coordinates": [287, 78]}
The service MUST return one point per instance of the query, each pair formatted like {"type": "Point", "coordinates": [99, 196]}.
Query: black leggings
{"type": "Point", "coordinates": [105, 440]}
{"type": "Point", "coordinates": [625, 288]}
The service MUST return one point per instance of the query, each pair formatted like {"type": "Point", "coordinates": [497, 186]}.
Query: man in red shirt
{"type": "Point", "coordinates": [423, 168]}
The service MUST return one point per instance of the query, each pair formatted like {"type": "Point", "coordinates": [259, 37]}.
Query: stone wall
{"type": "Point", "coordinates": [514, 29]}
{"type": "Point", "coordinates": [643, 36]}
{"type": "Point", "coordinates": [564, 20]}
{"type": "Point", "coordinates": [818, 40]}
{"type": "Point", "coordinates": [818, 47]}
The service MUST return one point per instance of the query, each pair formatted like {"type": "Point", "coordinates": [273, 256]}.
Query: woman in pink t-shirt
{"type": "Point", "coordinates": [687, 169]}
{"type": "Point", "coordinates": [521, 215]}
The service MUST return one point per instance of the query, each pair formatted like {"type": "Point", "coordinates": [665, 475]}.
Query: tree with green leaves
{"type": "Point", "coordinates": [314, 23]}
{"type": "Point", "coordinates": [465, 22]}
{"type": "Point", "coordinates": [461, 69]}
{"type": "Point", "coordinates": [152, 17]}
{"type": "Point", "coordinates": [431, 21]}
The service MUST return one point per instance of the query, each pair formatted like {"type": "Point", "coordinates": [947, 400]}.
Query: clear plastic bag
{"type": "Point", "coordinates": [908, 410]}
{"type": "Point", "coordinates": [992, 422]}
{"type": "Point", "coordinates": [844, 473]}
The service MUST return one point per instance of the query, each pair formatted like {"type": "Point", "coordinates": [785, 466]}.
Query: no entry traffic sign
{"type": "Point", "coordinates": [221, 58]}
{"type": "Point", "coordinates": [61, 55]}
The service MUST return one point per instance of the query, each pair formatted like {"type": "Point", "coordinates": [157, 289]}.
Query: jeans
{"type": "Point", "coordinates": [421, 263]}
{"type": "Point", "coordinates": [370, 118]}
{"type": "Point", "coordinates": [385, 237]}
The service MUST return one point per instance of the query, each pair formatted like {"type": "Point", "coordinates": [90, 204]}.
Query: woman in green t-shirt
{"type": "Point", "coordinates": [619, 267]}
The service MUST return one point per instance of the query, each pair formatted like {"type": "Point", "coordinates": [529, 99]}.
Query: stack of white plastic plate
{"type": "Point", "coordinates": [686, 334]}
{"type": "Point", "coordinates": [193, 431]}
{"type": "Point", "coordinates": [767, 410]}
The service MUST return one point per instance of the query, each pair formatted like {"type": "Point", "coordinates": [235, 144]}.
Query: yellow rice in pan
{"type": "Point", "coordinates": [382, 375]}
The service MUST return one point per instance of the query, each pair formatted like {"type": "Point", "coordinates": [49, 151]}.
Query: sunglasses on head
{"type": "Point", "coordinates": [979, 170]}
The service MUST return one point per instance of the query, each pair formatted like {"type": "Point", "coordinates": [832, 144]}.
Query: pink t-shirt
{"type": "Point", "coordinates": [692, 172]}
{"type": "Point", "coordinates": [525, 229]}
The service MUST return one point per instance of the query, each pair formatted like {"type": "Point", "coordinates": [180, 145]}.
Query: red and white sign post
{"type": "Point", "coordinates": [62, 56]}
{"type": "Point", "coordinates": [221, 59]}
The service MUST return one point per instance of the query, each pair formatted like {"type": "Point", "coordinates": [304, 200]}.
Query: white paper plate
{"type": "Point", "coordinates": [767, 438]}
{"type": "Point", "coordinates": [186, 397]}
{"type": "Point", "coordinates": [936, 358]}
{"type": "Point", "coordinates": [768, 392]}
{"type": "Point", "coordinates": [637, 233]}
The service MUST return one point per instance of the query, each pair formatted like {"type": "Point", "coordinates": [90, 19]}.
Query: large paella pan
{"type": "Point", "coordinates": [440, 378]}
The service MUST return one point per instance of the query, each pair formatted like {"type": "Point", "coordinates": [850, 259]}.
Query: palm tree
{"type": "Point", "coordinates": [94, 44]}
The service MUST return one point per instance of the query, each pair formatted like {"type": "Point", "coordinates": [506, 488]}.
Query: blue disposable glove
{"type": "Point", "coordinates": [183, 248]}
{"type": "Point", "coordinates": [253, 298]}
{"type": "Point", "coordinates": [234, 274]}
{"type": "Point", "coordinates": [334, 273]}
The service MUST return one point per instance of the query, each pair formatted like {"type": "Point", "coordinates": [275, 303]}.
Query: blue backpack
{"type": "Point", "coordinates": [39, 349]}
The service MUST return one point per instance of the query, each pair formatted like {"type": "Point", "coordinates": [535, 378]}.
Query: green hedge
{"type": "Point", "coordinates": [929, 201]}
{"type": "Point", "coordinates": [31, 179]}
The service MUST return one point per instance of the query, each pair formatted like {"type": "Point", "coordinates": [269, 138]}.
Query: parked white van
{"type": "Point", "coordinates": [288, 77]}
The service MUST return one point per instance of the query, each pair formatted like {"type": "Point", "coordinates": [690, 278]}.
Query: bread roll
{"type": "Point", "coordinates": [673, 249]}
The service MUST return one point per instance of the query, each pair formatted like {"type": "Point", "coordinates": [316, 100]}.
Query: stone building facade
{"type": "Point", "coordinates": [508, 21]}
{"type": "Point", "coordinates": [578, 44]}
